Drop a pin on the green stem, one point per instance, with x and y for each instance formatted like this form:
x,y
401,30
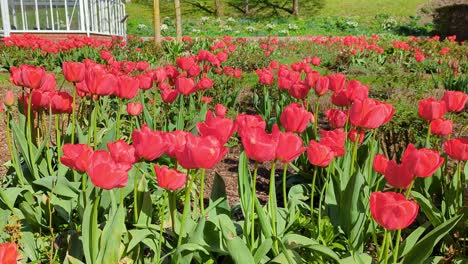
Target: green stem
x,y
387,245
172,209
317,104
73,115
135,193
371,156
202,192
322,193
384,245
397,246
408,192
272,203
30,136
354,154
119,105
188,189
10,148
59,139
96,109
161,227
312,191
285,196
428,137
252,209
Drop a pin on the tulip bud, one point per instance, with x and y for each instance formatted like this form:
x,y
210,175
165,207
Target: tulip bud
x,y
9,99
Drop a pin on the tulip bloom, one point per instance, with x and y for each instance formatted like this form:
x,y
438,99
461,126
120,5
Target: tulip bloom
x,y
134,109
127,87
431,109
265,76
105,173
321,86
370,113
220,110
73,71
295,118
455,101
98,82
422,162
32,77
169,179
259,145
336,117
9,99
219,127
392,210
8,253
337,81
61,102
76,156
398,175
246,123
354,135
441,127
201,152
457,148
185,85
334,139
380,163
176,141
149,144
319,154
122,153
289,147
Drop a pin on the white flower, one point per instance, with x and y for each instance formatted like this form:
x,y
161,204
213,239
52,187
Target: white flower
x,y
250,29
142,26
237,32
292,27
230,19
352,23
270,26
284,32
164,27
194,30
204,19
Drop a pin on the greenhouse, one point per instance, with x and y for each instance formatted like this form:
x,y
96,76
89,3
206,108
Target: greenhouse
x,y
90,17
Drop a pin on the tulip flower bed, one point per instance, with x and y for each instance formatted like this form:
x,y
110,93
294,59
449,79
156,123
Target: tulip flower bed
x,y
126,152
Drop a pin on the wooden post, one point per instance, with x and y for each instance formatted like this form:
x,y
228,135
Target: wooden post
x,y
157,22
178,21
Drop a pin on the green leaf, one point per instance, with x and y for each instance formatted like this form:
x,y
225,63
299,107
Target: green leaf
x,y
297,241
235,245
263,249
423,249
361,258
90,231
218,191
60,186
430,210
109,250
412,239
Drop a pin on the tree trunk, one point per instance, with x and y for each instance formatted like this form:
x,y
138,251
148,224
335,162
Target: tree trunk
x,y
247,9
295,7
157,22
219,12
178,21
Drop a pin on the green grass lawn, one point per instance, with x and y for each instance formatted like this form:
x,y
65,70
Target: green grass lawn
x,y
366,8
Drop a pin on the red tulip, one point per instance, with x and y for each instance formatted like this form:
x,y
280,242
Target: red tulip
x,y
134,109
441,127
380,163
76,156
145,81
311,78
127,87
315,61
398,175
169,95
176,141
392,210
431,109
15,76
340,98
455,101
295,118
457,148
319,154
246,123
73,71
321,86
149,144
355,90
201,152
204,83
8,253
289,147
160,75
337,81
122,153
336,117
354,135
259,145
299,90
334,139
206,99
422,162
219,127
169,179
105,173
142,65
185,85
265,76
61,102
220,110
370,113
9,99
49,83
99,82
32,77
